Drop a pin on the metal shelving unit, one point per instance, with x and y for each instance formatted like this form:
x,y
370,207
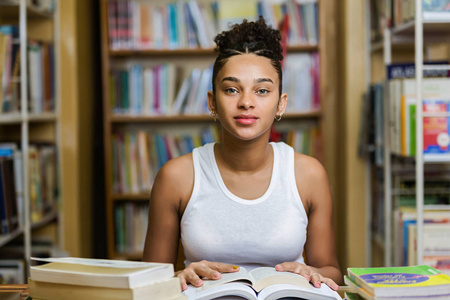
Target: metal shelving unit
x,y
19,12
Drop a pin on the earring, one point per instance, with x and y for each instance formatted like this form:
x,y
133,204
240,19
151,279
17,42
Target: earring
x,y
278,118
214,115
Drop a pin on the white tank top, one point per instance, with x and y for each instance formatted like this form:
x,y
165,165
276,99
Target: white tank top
x,y
221,227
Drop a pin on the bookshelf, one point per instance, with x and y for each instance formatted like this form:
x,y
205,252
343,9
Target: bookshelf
x,y
321,117
412,176
29,123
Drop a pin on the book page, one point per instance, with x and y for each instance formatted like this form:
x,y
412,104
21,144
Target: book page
x,y
242,275
231,290
100,262
265,276
278,291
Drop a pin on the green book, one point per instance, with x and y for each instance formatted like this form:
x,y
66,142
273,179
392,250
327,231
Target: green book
x,y
401,281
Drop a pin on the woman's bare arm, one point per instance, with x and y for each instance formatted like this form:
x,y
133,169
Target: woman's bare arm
x,y
170,194
320,250
320,247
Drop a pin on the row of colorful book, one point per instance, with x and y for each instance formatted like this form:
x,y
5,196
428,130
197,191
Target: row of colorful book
x,y
41,79
402,115
153,90
191,24
387,283
137,155
130,221
436,242
72,278
42,183
393,13
141,90
397,99
304,139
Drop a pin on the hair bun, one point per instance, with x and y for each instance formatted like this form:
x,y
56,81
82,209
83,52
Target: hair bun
x,y
251,37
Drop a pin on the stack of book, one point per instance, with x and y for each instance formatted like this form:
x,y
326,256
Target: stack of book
x,y
72,278
398,283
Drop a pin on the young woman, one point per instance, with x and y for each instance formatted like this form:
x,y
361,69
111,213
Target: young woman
x,y
244,201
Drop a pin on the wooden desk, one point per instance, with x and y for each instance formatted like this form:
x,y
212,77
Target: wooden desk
x,y
14,291
21,292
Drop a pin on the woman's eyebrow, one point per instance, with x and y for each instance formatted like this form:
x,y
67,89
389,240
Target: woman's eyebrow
x,y
233,79
259,80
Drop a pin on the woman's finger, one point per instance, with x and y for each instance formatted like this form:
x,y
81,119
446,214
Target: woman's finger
x,y
182,282
316,279
330,282
193,278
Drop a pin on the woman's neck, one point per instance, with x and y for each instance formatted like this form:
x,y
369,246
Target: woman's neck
x,y
244,156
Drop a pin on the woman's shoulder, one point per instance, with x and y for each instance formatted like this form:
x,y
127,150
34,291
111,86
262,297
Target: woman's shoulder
x,y
178,167
309,171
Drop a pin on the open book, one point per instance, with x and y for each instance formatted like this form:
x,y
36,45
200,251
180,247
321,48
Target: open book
x,y
260,283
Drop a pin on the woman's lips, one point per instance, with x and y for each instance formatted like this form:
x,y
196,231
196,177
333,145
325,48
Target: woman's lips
x,y
246,119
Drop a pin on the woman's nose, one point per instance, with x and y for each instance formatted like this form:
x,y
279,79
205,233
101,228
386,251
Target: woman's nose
x,y
246,101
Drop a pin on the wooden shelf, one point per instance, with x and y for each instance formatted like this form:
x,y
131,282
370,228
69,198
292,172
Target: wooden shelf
x,y
198,118
48,218
128,256
11,118
16,118
193,51
133,197
5,238
43,117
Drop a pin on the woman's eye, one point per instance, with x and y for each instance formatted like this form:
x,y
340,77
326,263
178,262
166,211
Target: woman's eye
x,y
231,91
262,91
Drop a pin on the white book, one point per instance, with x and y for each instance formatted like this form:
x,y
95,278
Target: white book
x,y
179,102
199,24
149,95
100,272
191,99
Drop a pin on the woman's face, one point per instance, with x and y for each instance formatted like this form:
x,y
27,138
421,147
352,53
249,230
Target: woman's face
x,y
247,97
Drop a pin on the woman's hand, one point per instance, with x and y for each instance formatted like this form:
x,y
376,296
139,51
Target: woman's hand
x,y
204,269
310,273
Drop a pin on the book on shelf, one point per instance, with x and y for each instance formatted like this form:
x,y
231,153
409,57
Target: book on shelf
x,y
43,183
131,220
41,76
138,155
409,281
12,271
402,113
405,218
436,245
9,61
436,10
301,81
8,204
99,272
10,214
260,283
194,24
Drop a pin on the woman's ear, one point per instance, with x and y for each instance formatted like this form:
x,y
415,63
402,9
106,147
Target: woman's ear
x,y
282,104
211,103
